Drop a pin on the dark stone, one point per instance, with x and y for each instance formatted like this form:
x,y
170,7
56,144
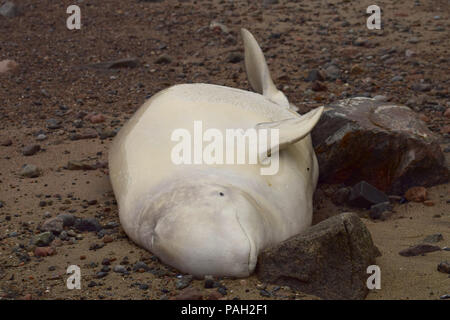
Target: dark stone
x,y
364,195
377,210
419,249
87,224
116,64
444,267
329,259
31,150
385,144
315,75
9,10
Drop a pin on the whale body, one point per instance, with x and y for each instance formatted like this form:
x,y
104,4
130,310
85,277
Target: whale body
x,y
214,219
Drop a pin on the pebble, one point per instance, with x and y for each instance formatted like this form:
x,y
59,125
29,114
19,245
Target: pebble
x,y
120,269
183,282
419,249
434,238
41,137
444,267
87,224
9,10
416,194
30,171
44,251
140,265
333,72
7,65
53,124
54,225
163,59
189,294
5,142
31,149
43,239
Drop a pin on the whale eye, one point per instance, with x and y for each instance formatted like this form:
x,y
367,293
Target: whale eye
x,y
221,194
307,169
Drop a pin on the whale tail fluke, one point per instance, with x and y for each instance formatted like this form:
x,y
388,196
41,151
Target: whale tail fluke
x,y
258,72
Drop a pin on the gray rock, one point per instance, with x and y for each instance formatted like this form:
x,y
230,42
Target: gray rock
x,y
333,72
54,225
116,64
43,239
183,282
120,269
53,124
434,238
9,10
379,210
329,259
385,144
140,265
315,75
30,171
87,224
364,195
444,267
68,219
31,149
419,249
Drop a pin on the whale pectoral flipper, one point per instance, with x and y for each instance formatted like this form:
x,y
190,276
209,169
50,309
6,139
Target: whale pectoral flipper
x,y
291,130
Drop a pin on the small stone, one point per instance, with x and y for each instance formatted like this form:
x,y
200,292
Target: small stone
x,y
209,283
377,210
53,124
79,165
9,10
41,137
318,86
140,265
163,59
120,269
54,225
234,57
31,149
364,195
101,274
6,142
416,194
97,118
30,171
108,239
189,294
43,239
333,72
434,238
87,224
315,75
44,251
444,267
356,69
428,203
68,220
217,26
7,65
183,282
419,249
341,195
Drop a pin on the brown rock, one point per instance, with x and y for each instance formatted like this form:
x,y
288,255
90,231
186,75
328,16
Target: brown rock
x,y
416,194
447,113
97,118
385,144
6,142
419,249
7,65
54,225
107,239
318,86
31,149
328,260
444,267
79,165
189,294
44,251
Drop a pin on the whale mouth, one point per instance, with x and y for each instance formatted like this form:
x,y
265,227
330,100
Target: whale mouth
x,y
204,237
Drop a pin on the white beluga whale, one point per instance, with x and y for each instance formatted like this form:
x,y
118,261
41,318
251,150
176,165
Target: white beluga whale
x,y
214,218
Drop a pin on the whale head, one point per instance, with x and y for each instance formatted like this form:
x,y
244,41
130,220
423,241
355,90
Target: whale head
x,y
206,229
